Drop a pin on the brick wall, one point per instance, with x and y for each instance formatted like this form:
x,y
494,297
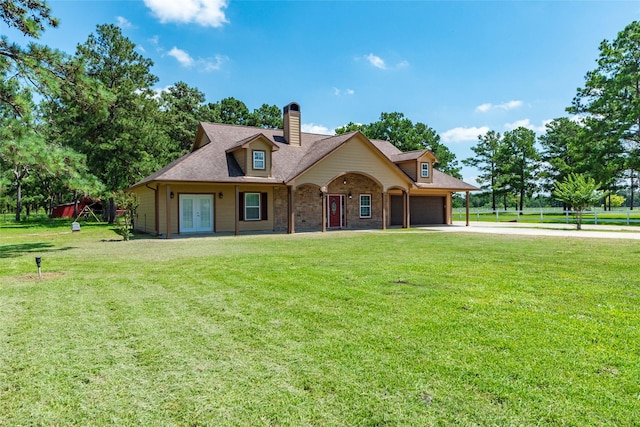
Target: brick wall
x,y
308,205
359,184
280,209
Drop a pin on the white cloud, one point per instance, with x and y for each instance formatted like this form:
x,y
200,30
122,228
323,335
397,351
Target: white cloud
x,y
526,123
505,106
208,13
380,63
510,105
213,65
206,65
338,92
123,22
159,91
182,57
484,108
461,134
314,128
376,61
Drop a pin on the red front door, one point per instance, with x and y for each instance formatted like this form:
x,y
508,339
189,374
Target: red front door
x,y
335,211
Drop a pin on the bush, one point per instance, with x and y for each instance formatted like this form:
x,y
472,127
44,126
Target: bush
x,y
128,203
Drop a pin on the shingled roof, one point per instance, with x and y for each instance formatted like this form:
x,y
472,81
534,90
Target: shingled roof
x,y
409,155
212,162
446,182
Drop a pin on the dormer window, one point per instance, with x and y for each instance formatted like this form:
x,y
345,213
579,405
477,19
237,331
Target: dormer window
x,y
424,170
258,160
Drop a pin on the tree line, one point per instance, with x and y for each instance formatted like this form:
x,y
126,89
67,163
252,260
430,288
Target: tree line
x,y
601,142
91,123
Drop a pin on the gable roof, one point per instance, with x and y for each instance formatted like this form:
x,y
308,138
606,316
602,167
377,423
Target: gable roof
x,y
211,159
410,155
247,141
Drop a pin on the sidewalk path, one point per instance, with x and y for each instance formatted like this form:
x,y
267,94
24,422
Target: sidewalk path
x,y
537,229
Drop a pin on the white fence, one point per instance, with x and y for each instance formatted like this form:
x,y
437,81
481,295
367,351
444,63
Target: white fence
x,y
617,217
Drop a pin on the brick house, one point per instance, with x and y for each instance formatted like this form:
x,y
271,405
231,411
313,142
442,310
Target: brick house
x,y
246,179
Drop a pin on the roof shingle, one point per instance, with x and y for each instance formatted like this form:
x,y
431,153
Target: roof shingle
x,y
212,162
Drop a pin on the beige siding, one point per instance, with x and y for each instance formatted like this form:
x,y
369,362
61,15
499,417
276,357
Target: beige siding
x,y
291,121
258,145
224,209
413,168
427,158
266,225
354,156
162,210
241,158
418,165
201,139
295,126
145,219
409,168
219,217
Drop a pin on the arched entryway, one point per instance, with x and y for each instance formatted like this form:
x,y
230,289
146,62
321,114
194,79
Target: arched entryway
x,y
354,201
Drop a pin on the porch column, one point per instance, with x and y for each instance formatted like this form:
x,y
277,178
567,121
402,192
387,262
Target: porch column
x,y
237,203
292,211
467,208
324,211
406,222
384,209
156,206
168,211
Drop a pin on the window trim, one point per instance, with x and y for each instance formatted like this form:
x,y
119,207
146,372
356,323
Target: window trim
x,y
423,169
263,160
247,206
368,205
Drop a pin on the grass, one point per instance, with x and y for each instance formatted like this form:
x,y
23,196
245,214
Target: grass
x,y
370,328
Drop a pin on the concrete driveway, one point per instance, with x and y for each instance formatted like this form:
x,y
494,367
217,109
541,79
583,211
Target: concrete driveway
x,y
536,229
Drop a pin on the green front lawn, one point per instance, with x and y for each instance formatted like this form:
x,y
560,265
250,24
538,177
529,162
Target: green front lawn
x,y
354,328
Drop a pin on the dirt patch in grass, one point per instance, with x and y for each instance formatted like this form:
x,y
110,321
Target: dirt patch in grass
x,y
34,276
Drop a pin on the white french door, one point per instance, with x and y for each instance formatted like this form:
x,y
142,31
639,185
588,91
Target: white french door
x,y
196,213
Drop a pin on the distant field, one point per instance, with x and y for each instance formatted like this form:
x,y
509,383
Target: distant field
x,y
404,327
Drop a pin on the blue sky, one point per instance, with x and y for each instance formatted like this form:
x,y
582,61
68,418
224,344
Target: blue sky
x,y
461,67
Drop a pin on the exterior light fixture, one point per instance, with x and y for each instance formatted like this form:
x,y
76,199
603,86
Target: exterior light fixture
x,y
220,195
344,181
38,264
171,195
350,196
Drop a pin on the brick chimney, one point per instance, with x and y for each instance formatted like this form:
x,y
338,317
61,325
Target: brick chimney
x,y
291,121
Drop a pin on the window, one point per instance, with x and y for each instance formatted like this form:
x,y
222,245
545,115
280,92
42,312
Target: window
x,y
258,160
424,170
252,206
365,206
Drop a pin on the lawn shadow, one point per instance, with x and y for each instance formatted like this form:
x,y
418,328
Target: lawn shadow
x,y
12,251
